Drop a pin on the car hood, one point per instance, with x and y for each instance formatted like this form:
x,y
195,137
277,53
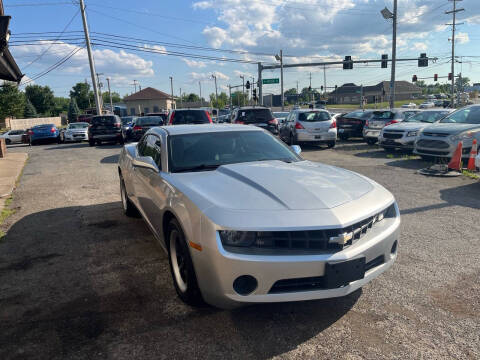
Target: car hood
x,y
407,126
272,185
451,129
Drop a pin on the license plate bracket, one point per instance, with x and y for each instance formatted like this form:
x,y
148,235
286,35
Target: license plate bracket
x,y
342,273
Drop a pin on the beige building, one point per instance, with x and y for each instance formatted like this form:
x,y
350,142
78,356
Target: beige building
x,y
148,100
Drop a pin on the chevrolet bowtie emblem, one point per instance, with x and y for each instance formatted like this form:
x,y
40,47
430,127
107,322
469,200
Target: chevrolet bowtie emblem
x,y
341,239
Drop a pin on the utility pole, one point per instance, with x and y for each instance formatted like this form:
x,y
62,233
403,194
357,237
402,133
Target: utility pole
x,y
171,89
100,89
311,90
280,58
394,55
251,89
453,24
135,84
296,102
230,96
361,97
324,80
90,58
214,77
260,84
243,89
200,87
110,94
181,98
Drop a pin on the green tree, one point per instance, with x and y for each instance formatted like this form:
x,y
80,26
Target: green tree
x,y
12,101
238,98
115,98
81,93
41,97
73,110
30,111
220,102
60,105
460,83
190,97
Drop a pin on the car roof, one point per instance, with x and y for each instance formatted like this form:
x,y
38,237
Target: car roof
x,y
204,128
252,107
310,110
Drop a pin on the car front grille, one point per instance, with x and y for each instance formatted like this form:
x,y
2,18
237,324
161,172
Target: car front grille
x,y
435,134
392,135
311,241
313,283
433,144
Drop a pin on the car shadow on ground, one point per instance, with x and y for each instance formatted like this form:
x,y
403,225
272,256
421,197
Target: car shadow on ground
x,y
91,281
464,196
66,146
112,159
311,148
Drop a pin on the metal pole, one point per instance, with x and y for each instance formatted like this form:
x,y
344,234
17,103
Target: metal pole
x,y
216,91
171,88
251,89
311,90
324,80
100,90
110,94
394,55
361,97
260,85
181,98
281,80
230,97
296,101
90,58
200,86
454,12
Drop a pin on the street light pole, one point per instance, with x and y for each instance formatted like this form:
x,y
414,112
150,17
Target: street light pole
x,y
110,94
280,58
200,87
90,58
394,55
243,89
216,91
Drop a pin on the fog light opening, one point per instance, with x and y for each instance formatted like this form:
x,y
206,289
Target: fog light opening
x,y
245,285
393,251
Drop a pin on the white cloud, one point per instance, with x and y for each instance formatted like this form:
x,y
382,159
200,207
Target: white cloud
x,y
202,5
420,46
195,76
462,38
116,64
159,49
194,63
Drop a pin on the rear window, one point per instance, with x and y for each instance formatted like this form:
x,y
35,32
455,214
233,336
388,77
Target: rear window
x,y
314,116
128,119
149,121
383,115
190,117
44,126
104,120
252,116
355,114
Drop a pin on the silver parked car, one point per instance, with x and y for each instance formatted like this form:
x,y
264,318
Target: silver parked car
x,y
12,136
382,118
442,138
244,219
403,134
309,126
77,131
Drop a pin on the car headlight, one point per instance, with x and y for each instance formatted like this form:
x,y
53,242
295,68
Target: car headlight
x,y
237,238
462,137
412,133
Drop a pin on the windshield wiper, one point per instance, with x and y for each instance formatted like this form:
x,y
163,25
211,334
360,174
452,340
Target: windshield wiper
x,y
201,167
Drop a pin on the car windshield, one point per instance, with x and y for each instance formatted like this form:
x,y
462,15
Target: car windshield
x,y
183,117
203,151
427,116
314,116
469,115
78,126
252,116
149,121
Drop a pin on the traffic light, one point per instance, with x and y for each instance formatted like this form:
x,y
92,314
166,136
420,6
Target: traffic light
x,y
321,87
423,60
309,88
450,77
384,61
347,63
336,87
254,94
247,85
435,77
414,78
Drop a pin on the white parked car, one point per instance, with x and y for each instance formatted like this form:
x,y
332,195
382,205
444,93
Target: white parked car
x,y
244,219
13,136
409,106
77,131
427,105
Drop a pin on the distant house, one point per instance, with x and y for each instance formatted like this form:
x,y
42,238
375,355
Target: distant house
x,y
350,93
148,100
8,67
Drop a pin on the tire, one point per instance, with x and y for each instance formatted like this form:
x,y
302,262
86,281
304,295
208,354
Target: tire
x,y
8,141
98,142
371,141
331,144
181,266
91,142
128,207
343,137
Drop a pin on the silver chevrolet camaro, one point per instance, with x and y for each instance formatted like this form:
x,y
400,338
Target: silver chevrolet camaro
x,y
244,219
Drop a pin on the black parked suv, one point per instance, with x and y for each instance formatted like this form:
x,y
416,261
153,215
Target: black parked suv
x,y
143,124
255,115
105,128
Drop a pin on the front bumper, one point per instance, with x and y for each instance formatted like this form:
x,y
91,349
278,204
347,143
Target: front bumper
x,y
317,137
445,149
405,142
76,137
217,268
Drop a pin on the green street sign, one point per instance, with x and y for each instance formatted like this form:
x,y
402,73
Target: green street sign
x,y
270,81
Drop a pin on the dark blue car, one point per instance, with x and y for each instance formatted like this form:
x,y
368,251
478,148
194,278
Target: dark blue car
x,y
45,132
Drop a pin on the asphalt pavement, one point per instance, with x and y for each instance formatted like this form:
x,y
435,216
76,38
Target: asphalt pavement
x,y
79,280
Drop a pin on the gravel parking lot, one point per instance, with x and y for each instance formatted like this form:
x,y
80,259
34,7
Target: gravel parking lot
x,y
79,280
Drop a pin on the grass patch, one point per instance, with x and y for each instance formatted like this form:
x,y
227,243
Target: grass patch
x,y
382,105
403,156
5,214
470,174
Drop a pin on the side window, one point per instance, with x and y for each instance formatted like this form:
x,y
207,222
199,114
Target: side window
x,y
158,153
153,147
141,146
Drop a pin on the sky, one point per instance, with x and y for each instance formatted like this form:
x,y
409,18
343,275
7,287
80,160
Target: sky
x,y
152,40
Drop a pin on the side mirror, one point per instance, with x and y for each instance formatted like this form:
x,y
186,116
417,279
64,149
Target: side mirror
x,y
145,162
296,149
